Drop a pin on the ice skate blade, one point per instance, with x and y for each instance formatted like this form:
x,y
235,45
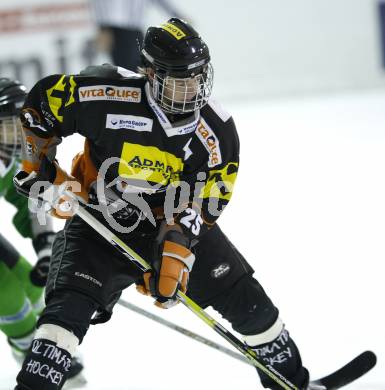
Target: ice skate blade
x,y
77,382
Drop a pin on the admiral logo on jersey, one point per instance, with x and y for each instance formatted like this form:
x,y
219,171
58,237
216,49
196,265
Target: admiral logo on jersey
x,y
149,164
110,92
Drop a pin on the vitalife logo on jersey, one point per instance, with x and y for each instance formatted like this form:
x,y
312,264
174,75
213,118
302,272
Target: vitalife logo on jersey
x,y
128,122
210,142
110,92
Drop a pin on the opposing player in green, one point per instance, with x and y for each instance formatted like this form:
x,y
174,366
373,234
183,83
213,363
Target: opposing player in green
x,y
21,284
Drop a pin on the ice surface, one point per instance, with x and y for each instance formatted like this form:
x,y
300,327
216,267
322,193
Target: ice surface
x,y
308,213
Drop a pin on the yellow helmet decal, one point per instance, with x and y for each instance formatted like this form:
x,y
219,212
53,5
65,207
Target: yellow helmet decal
x,y
176,32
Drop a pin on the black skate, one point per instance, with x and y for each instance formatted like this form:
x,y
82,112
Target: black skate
x,y
75,377
76,367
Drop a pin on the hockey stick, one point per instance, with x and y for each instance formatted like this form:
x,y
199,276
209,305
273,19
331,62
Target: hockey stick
x,y
184,331
341,377
188,302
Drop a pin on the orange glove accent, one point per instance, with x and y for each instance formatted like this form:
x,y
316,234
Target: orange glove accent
x,y
173,274
141,289
65,206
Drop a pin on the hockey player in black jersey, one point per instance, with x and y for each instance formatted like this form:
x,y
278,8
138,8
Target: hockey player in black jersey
x,y
159,164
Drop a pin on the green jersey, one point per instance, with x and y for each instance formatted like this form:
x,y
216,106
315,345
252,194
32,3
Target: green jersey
x,y
20,299
22,220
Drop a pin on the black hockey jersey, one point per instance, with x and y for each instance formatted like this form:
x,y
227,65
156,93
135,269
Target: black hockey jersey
x,y
130,141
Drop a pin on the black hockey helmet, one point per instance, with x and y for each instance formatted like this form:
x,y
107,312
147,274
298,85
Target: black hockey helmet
x,y
174,47
175,51
12,97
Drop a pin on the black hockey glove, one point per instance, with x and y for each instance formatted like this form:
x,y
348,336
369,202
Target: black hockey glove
x,y
171,265
43,248
49,186
33,184
100,317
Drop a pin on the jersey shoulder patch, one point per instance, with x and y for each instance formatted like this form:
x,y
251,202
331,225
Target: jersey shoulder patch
x,y
102,71
108,71
219,110
129,74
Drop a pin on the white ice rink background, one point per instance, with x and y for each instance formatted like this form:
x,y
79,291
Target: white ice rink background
x,y
308,213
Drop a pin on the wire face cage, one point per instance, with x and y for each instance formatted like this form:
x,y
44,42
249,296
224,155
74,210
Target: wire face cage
x,y
182,95
10,137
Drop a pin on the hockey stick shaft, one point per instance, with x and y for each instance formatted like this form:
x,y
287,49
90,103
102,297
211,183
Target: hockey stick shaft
x,y
188,302
184,331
